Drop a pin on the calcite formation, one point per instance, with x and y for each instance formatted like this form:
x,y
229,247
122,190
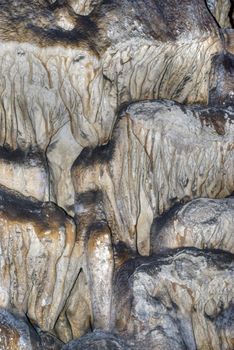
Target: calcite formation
x,y
162,153
201,223
181,300
38,257
116,174
222,11
16,333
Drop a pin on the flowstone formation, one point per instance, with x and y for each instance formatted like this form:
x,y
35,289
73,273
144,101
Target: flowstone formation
x,y
116,175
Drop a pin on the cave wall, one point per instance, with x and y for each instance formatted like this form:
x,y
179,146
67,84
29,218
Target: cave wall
x,y
116,174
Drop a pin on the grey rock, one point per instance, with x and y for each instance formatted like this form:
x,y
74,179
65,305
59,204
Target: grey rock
x,y
16,333
180,300
98,341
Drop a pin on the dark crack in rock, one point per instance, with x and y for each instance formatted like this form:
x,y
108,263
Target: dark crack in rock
x,y
16,333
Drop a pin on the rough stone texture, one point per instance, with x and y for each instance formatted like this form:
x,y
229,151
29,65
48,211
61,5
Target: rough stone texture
x,y
201,223
84,7
180,300
73,77
52,110
16,333
161,153
98,340
63,76
222,10
229,40
25,172
39,258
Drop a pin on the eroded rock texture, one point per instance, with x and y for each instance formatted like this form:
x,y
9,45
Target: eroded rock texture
x,y
116,142
17,334
222,10
98,340
182,300
63,76
201,223
160,153
39,258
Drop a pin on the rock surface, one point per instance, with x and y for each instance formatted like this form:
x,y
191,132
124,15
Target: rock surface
x,y
222,11
96,341
39,258
16,333
64,76
180,300
201,223
161,153
116,142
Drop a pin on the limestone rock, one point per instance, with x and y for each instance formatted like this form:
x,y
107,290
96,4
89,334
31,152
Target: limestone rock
x,y
73,135
76,318
39,258
229,40
84,7
53,112
201,223
179,300
64,76
25,172
160,153
17,334
222,11
98,340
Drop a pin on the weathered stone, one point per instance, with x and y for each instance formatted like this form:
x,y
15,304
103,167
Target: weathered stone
x,y
66,75
39,259
96,341
25,171
222,11
179,300
161,153
17,334
201,223
68,69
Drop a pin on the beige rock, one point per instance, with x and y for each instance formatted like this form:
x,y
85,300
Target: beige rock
x,y
83,7
221,9
25,172
160,153
201,223
66,68
63,76
51,104
39,258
